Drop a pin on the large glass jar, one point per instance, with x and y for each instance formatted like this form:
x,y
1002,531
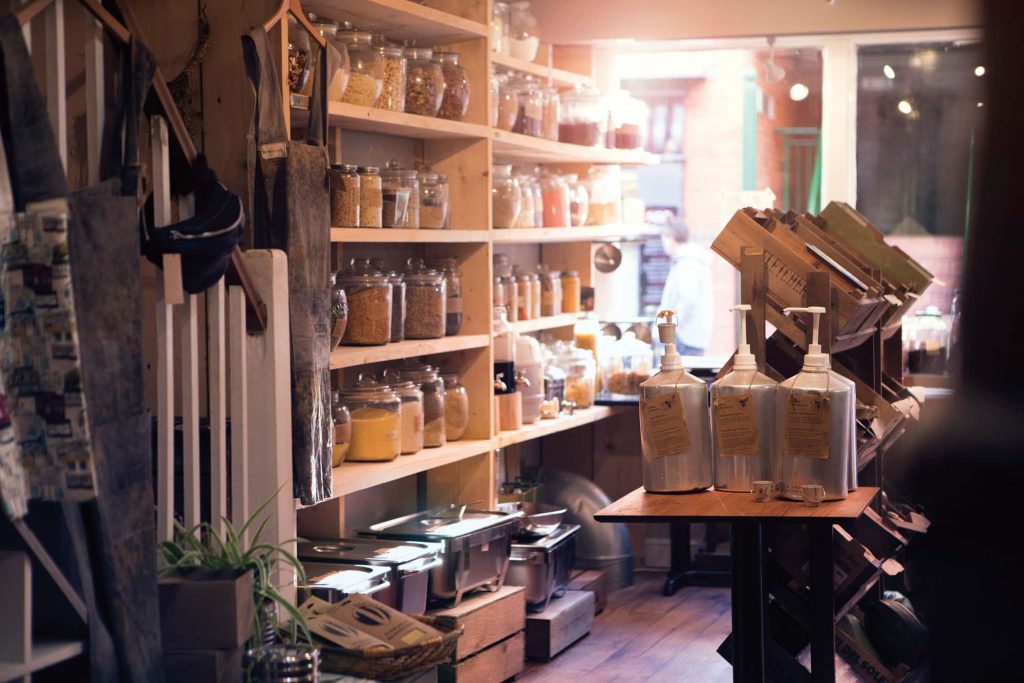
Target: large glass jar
x,y
434,200
396,186
505,108
299,57
369,305
552,114
500,27
424,82
550,293
523,38
425,305
580,376
411,179
505,198
584,117
456,406
449,265
456,86
371,197
535,296
629,119
526,210
376,423
497,292
524,296
392,91
604,184
366,78
510,285
344,188
626,363
328,30
397,281
530,115
339,312
433,401
555,193
342,419
571,290
411,411
579,200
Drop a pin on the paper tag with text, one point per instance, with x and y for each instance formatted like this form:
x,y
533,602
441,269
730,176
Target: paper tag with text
x,y
664,425
736,425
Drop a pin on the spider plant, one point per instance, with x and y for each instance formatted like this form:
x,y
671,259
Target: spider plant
x,y
201,547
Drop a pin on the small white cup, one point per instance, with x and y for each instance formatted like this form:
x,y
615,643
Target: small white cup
x,y
813,494
764,491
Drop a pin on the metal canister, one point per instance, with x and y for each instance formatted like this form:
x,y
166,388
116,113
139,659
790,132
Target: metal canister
x,y
736,468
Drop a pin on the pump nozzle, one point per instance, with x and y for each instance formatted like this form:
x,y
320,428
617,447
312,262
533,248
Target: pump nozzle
x,y
671,359
814,357
744,359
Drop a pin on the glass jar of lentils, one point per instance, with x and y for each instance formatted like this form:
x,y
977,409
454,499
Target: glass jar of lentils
x,y
424,82
455,101
371,197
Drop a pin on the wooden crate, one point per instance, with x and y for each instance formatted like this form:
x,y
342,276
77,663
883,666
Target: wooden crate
x,y
562,623
499,662
595,581
488,618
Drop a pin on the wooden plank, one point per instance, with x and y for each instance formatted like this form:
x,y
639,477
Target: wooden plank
x,y
519,147
391,236
594,581
562,623
217,363
173,290
16,606
351,356
385,122
239,406
753,275
499,662
56,77
560,78
614,231
44,654
488,618
95,102
46,560
190,410
402,20
561,423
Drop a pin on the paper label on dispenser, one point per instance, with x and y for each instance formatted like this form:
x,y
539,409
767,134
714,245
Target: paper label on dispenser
x,y
664,424
808,416
736,425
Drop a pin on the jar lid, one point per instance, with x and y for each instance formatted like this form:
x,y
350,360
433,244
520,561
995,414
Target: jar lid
x,y
421,273
356,37
393,378
451,58
369,170
356,276
428,178
381,393
420,53
570,273
502,170
347,169
419,372
395,277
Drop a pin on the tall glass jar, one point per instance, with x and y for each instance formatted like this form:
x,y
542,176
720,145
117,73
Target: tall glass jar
x,y
449,265
580,376
538,198
366,78
524,41
531,107
497,292
424,83
550,293
339,312
555,192
506,104
579,200
371,197
342,420
344,188
526,210
300,60
584,117
524,298
396,187
433,401
434,201
604,185
368,293
505,198
328,30
535,295
551,115
456,406
425,302
376,423
455,101
500,27
571,286
411,411
392,91
397,281
504,351
511,286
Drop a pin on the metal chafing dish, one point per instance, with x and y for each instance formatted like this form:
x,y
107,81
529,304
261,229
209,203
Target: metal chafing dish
x,y
544,565
332,583
476,546
408,562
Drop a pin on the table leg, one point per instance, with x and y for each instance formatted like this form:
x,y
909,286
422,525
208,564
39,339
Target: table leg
x,y
823,635
749,603
679,539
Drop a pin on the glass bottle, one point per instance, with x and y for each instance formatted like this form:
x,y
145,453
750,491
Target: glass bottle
x,y
411,411
344,188
531,107
579,200
506,104
551,115
299,59
449,265
455,101
434,203
371,197
571,290
397,281
504,352
555,193
328,30
526,208
396,187
500,27
432,385
342,420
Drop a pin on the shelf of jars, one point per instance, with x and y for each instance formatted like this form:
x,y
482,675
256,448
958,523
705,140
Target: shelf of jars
x,y
401,19
352,356
385,122
596,233
519,147
561,423
559,78
405,235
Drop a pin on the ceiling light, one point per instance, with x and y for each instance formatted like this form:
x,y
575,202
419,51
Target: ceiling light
x,y
889,72
799,92
980,105
905,107
979,71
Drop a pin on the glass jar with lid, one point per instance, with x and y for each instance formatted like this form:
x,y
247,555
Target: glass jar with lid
x,y
424,82
368,293
628,120
500,12
375,412
530,112
526,209
392,91
455,101
523,37
412,213
626,363
371,197
432,385
300,59
366,76
524,296
550,293
584,118
397,281
604,185
434,200
456,406
425,301
535,296
339,312
571,290
580,375
342,419
506,201
395,190
579,200
505,108
538,198
411,411
555,194
497,292
449,265
328,30
551,114
343,180
554,390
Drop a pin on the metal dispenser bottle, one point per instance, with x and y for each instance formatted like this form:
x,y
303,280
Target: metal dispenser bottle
x,y
816,419
674,424
742,419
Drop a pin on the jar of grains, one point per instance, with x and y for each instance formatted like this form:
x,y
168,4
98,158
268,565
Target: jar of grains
x,y
344,185
328,30
339,312
424,82
571,286
395,193
530,107
555,193
369,303
425,301
366,76
456,86
411,411
434,200
397,281
449,265
506,201
456,406
507,103
375,412
299,62
392,91
550,293
584,117
433,401
551,115
342,420
371,197
526,207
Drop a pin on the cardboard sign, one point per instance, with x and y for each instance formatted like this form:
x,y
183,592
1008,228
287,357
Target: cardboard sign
x,y
736,425
664,425
808,417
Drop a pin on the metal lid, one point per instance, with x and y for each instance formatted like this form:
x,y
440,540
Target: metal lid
x,y
450,58
355,578
365,550
551,541
444,523
367,170
420,53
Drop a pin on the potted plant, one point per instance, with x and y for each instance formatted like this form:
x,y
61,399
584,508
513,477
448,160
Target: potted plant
x,y
218,593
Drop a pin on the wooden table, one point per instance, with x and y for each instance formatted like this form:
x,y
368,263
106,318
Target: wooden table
x,y
749,590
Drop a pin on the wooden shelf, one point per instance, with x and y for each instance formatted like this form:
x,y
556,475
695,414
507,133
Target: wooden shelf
x,y
351,356
518,147
401,124
618,231
546,323
400,20
559,424
44,654
558,77
373,235
350,477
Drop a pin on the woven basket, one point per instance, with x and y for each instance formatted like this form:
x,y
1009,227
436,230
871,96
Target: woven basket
x,y
399,663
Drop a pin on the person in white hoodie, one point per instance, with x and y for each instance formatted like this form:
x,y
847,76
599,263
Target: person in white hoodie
x,y
688,289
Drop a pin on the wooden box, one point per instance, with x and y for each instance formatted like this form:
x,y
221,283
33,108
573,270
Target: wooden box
x,y
864,662
562,623
595,581
206,610
487,618
497,663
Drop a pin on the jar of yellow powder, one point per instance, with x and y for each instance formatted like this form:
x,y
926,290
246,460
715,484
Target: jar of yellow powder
x,y
376,423
411,411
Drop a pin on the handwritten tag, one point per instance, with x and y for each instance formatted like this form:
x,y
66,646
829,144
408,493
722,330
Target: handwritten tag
x,y
736,425
663,423
808,416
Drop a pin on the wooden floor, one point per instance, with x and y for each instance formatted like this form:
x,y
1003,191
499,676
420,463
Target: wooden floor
x,y
644,636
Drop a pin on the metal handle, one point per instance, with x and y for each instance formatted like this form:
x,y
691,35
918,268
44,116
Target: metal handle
x,y
423,565
378,588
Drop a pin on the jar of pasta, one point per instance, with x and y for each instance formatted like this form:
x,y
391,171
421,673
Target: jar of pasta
x,y
456,86
375,411
411,396
371,197
369,305
456,406
430,382
425,301
424,82
366,76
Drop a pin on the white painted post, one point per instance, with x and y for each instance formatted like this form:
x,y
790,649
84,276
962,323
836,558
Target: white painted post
x,y
216,360
95,104
190,410
239,406
56,79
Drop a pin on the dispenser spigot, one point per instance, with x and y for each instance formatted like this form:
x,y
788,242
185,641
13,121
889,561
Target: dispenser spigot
x,y
814,357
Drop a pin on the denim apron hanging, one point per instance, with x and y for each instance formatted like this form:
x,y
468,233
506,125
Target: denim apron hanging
x,y
289,210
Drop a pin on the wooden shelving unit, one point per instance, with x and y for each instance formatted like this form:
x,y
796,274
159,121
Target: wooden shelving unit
x,y
402,19
44,654
382,236
591,233
560,78
350,477
519,147
352,356
559,424
549,322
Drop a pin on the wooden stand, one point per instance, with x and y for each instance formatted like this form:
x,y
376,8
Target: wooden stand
x,y
492,644
594,581
562,623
